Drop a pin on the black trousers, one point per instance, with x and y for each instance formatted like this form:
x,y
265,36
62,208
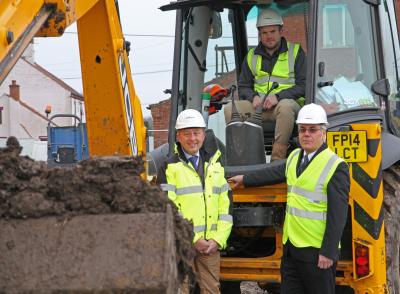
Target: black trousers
x,y
303,277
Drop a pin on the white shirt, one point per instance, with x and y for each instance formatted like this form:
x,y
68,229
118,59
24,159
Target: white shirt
x,y
310,156
187,155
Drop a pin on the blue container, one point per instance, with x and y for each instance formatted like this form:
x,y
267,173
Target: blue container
x,y
66,144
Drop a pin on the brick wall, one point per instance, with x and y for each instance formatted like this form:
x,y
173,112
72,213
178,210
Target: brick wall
x,y
160,114
294,30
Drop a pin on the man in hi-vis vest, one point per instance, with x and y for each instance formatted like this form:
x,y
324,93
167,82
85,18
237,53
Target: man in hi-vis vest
x,y
195,181
273,60
318,183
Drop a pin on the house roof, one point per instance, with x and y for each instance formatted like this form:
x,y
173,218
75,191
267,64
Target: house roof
x,y
158,103
28,107
74,94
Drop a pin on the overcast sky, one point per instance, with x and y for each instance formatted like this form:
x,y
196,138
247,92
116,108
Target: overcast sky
x,y
150,32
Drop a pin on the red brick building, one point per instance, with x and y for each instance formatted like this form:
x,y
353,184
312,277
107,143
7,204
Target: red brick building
x,y
160,111
160,114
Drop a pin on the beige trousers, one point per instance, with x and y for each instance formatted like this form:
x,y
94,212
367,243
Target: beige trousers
x,y
207,274
284,114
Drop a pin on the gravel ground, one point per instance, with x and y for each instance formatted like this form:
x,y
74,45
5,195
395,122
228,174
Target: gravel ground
x,y
251,288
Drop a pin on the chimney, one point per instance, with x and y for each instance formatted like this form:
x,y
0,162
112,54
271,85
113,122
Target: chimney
x,y
14,90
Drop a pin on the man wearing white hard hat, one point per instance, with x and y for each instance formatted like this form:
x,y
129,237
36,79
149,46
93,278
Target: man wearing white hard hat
x,y
195,181
273,60
316,209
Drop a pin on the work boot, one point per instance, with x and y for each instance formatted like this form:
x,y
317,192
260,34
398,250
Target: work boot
x,y
278,151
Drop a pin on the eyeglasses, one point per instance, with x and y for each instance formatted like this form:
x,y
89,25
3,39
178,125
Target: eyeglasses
x,y
309,130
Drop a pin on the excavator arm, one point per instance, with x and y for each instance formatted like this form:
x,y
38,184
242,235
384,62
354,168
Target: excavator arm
x,y
114,117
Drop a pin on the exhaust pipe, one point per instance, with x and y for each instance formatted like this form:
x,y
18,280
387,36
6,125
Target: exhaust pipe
x,y
245,140
235,116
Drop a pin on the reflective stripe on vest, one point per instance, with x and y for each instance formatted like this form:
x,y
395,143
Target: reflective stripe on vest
x,y
202,228
225,217
306,208
168,187
189,190
306,214
182,191
219,190
186,191
196,198
198,229
285,60
290,158
318,194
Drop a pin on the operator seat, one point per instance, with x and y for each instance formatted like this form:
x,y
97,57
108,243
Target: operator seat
x,y
269,135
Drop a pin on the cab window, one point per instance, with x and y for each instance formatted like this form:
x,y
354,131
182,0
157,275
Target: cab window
x,y
345,55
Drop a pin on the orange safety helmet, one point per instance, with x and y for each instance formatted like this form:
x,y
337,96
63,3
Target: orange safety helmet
x,y
216,91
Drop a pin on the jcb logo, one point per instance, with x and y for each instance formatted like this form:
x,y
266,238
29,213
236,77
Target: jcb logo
x,y
128,105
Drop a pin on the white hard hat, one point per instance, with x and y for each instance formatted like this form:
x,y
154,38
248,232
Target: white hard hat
x,y
190,118
268,17
312,114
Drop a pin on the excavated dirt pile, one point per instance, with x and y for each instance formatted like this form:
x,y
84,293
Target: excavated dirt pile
x,y
99,186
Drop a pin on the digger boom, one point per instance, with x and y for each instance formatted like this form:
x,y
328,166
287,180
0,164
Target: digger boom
x,y
114,118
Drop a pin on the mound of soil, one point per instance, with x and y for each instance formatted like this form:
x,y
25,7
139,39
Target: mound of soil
x,y
106,185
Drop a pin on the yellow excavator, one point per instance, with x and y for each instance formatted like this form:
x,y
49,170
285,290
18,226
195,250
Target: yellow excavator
x,y
352,49
107,253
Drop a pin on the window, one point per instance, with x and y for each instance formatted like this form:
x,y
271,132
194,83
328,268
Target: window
x,y
1,115
335,21
347,56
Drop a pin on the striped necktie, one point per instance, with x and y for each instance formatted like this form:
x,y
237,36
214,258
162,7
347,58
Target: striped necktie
x,y
303,164
193,160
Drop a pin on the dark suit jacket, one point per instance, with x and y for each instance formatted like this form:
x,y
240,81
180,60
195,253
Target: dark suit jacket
x,y
338,197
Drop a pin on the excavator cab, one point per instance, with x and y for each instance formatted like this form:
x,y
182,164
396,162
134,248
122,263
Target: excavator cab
x,y
352,49
207,59
91,244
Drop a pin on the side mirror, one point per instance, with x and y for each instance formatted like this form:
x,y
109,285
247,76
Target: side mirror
x,y
216,26
381,87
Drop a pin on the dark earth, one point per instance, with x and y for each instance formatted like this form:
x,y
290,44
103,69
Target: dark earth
x,y
106,185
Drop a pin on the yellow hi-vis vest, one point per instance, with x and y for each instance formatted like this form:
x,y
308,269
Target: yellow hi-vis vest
x,y
206,207
282,73
307,203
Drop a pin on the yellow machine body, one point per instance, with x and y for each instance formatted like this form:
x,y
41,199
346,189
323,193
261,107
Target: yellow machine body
x,y
366,206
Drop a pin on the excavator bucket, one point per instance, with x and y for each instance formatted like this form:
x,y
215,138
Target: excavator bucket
x,y
90,253
97,227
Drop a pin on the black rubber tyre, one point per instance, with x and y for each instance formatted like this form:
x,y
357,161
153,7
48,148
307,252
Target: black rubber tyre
x,y
391,184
